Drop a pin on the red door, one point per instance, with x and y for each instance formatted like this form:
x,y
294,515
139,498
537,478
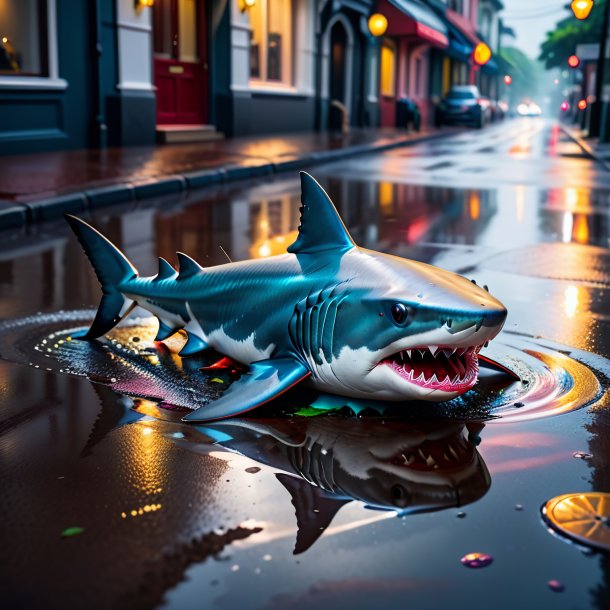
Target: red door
x,y
180,62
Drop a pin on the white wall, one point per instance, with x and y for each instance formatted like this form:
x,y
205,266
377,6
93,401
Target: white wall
x,y
135,47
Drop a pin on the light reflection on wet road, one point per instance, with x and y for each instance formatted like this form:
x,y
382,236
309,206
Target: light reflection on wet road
x,y
169,518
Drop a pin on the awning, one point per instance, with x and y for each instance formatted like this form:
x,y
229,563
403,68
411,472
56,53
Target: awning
x,y
411,18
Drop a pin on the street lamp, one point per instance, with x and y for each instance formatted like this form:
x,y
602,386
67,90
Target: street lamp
x,y
581,8
378,24
481,54
573,61
582,104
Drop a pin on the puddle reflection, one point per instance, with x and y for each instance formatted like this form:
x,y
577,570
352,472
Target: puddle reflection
x,y
326,462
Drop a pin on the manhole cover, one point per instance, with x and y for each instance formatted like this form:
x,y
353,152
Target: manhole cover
x,y
583,518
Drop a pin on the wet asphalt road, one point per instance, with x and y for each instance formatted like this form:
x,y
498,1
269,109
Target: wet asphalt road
x,y
171,519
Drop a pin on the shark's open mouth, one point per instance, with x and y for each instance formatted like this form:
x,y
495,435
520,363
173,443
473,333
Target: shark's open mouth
x,y
444,455
448,369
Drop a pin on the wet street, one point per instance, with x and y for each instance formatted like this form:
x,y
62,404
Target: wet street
x,y
108,500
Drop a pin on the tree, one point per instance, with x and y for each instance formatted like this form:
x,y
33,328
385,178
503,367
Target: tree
x,y
524,71
570,32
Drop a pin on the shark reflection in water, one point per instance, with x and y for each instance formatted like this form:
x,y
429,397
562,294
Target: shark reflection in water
x,y
326,462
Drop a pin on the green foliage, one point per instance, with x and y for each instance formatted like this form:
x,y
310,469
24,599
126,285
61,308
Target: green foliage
x,y
524,71
570,32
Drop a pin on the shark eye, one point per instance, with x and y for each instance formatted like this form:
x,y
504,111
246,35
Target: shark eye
x,y
400,313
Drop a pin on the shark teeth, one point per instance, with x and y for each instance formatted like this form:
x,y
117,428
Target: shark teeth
x,y
438,367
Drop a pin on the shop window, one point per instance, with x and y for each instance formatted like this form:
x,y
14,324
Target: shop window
x,y
388,70
23,38
271,42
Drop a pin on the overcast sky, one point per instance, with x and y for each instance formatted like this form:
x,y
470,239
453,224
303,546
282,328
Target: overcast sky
x,y
531,19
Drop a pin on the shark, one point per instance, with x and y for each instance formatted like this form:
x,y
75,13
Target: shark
x,y
325,463
341,318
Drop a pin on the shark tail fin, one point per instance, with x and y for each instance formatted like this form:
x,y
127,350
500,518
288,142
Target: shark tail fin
x,y
112,268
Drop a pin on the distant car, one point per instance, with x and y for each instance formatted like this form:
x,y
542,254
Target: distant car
x,y
464,104
499,110
528,108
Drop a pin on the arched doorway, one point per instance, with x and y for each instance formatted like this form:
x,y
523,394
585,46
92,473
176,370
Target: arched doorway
x,y
338,53
338,45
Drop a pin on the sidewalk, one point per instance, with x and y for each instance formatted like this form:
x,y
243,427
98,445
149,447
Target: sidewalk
x,y
44,186
590,146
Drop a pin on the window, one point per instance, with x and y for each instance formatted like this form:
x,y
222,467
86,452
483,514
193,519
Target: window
x,y
271,41
388,70
23,38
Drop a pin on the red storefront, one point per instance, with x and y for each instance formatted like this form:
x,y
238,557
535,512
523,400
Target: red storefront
x,y
413,28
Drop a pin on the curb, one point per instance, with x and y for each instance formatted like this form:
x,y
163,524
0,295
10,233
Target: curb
x,y
588,150
17,214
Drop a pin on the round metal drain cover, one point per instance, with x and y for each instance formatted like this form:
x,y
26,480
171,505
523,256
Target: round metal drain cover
x,y
582,517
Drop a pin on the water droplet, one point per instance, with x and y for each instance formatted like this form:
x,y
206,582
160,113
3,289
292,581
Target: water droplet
x,y
257,570
518,506
234,568
461,515
267,557
253,469
582,455
555,585
476,560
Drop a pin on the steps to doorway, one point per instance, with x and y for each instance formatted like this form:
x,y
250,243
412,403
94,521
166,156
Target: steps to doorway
x,y
174,134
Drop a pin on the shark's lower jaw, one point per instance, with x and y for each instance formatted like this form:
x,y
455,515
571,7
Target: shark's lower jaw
x,y
446,369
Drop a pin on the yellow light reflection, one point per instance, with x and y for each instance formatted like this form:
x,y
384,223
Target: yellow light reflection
x,y
272,246
386,198
581,229
474,205
570,301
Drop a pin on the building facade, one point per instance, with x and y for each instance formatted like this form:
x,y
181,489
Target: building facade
x,y
113,73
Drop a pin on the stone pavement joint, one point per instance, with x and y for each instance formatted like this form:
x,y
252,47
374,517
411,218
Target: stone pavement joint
x,y
44,186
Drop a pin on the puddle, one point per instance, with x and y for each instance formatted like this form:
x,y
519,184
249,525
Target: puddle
x,y
554,379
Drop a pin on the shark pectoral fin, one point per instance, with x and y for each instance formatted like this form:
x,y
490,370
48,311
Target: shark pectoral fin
x,y
314,509
264,381
492,365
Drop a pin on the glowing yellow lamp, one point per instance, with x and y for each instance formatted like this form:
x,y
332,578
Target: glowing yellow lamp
x,y
481,54
581,8
378,24
142,4
245,5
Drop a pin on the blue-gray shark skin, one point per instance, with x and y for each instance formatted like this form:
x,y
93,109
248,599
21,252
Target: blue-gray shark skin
x,y
355,322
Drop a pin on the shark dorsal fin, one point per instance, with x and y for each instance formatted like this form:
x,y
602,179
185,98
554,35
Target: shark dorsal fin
x,y
321,227
188,267
165,270
314,509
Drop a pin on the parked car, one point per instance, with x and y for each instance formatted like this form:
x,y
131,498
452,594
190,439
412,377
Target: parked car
x,y
464,104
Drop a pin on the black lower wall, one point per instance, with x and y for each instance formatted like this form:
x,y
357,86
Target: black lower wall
x,y
258,113
131,118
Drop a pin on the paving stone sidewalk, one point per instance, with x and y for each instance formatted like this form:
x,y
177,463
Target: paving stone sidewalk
x,y
43,186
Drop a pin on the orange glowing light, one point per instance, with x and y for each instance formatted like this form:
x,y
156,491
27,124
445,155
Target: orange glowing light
x,y
378,24
582,105
573,61
581,8
481,54
474,206
508,79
